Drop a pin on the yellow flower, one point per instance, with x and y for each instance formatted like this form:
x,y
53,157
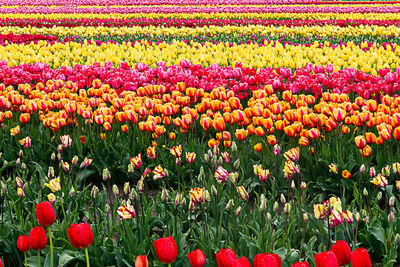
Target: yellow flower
x,y
319,211
126,211
15,131
54,184
52,198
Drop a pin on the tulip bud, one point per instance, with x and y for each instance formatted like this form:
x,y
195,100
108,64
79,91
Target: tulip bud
x,y
201,174
133,195
95,191
127,188
131,169
263,203
305,217
230,205
363,213
166,172
50,173
52,198
20,153
178,199
59,148
379,196
236,164
178,161
20,192
206,196
206,158
362,169
72,192
391,201
23,166
276,149
233,177
357,217
82,165
115,190
74,160
365,192
292,185
106,174
287,208
5,163
397,238
183,202
164,195
220,160
234,147
238,210
214,191
3,189
59,157
53,156
283,199
18,161
372,172
140,186
391,217
273,234
366,219
303,185
275,207
215,150
19,182
107,208
269,217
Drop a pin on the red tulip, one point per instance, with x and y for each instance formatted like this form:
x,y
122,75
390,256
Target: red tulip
x,y
242,262
166,249
45,214
23,243
141,261
301,264
360,258
38,238
342,252
1,263
225,257
326,259
267,259
197,258
80,235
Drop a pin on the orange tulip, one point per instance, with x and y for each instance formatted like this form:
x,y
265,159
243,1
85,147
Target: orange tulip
x,y
241,134
124,128
258,147
339,114
370,138
303,141
346,174
360,141
366,152
396,133
212,143
271,140
259,131
171,136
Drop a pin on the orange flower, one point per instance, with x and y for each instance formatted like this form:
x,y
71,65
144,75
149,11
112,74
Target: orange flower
x,y
366,151
271,140
346,174
212,142
258,147
360,141
15,131
370,138
82,139
151,152
241,134
303,141
259,131
339,114
171,136
24,118
102,136
345,129
124,128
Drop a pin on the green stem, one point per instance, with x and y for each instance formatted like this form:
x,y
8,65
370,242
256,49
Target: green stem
x,y
51,247
26,263
87,257
169,265
38,256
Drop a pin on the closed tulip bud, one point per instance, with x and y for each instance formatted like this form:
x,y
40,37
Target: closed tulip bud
x,y
275,207
283,199
115,190
20,192
166,172
206,158
372,172
236,164
59,149
363,213
397,238
366,219
269,216
214,191
305,217
106,174
215,151
127,188
303,185
391,201
95,191
273,234
23,166
362,169
220,160
292,185
391,217
20,153
52,198
263,203
234,147
357,217
287,208
201,174
140,186
81,165
238,210
365,192
5,163
386,170
18,161
50,173
19,182
379,196
74,160
164,195
107,208
230,205
178,199
133,195
3,189
131,169
65,166
206,196
71,192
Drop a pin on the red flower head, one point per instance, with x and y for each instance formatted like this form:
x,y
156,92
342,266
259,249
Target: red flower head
x,y
267,259
45,213
197,258
301,264
225,257
342,252
23,243
360,258
141,261
166,249
326,259
242,262
80,235
38,238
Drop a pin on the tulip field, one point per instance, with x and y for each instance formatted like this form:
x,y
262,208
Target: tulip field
x,y
199,133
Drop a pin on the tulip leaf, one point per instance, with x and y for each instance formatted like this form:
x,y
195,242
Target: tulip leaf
x,y
68,255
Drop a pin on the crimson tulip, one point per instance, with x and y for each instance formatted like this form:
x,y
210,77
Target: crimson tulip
x,y
45,213
326,259
80,235
301,264
166,249
342,251
225,257
38,238
1,263
141,261
242,262
197,258
267,259
23,243
360,258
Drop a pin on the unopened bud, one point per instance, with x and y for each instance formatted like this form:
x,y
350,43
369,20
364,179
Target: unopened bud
x,y
269,217
275,207
287,208
140,186
292,185
234,146
391,217
379,196
305,217
72,192
215,150
23,166
50,173
303,185
214,191
20,192
236,164
220,160
74,160
95,191
363,213
18,161
107,208
178,199
277,149
59,157
357,217
263,203
115,190
391,201
19,182
106,174
365,192
206,158
238,210
397,238
206,196
59,149
164,195
53,156
131,169
372,172
230,205
362,169
201,174
20,153
127,188
283,199
133,195
52,198
5,163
